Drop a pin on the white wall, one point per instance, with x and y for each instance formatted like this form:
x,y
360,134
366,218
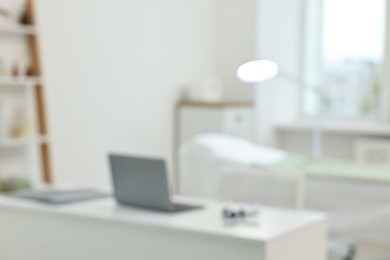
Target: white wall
x,y
279,39
236,43
113,70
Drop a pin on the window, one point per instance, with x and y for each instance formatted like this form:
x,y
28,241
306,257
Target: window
x,y
344,53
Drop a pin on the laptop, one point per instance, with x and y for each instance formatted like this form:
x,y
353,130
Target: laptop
x,y
143,182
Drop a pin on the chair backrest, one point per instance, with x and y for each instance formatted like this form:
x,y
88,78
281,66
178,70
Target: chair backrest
x,y
264,187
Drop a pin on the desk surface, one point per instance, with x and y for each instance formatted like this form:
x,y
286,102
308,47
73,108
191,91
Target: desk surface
x,y
272,223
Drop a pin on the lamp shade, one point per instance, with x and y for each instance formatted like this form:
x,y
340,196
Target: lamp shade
x,y
257,71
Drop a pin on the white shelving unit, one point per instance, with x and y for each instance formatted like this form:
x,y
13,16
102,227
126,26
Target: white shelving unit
x,y
24,146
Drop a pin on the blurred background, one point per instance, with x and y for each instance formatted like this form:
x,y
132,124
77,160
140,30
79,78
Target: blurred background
x,y
82,78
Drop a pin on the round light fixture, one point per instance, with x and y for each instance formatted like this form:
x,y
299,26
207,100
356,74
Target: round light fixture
x,y
257,71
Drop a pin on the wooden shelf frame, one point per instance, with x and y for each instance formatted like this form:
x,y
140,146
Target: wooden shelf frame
x,y
33,47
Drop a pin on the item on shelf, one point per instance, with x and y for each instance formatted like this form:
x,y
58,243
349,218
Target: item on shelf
x,y
11,11
15,70
3,125
18,126
209,91
25,17
212,90
20,70
2,67
29,71
4,15
14,184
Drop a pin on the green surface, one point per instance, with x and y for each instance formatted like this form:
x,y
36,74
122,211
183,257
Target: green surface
x,y
331,168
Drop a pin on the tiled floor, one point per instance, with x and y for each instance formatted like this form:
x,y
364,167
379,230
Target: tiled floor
x,y
372,251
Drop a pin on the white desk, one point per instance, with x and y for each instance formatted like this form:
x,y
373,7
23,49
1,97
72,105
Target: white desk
x,y
101,230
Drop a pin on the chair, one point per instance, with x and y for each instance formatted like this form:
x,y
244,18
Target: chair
x,y
273,189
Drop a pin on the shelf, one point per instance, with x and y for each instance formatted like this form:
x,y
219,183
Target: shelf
x,y
219,104
22,142
18,29
19,81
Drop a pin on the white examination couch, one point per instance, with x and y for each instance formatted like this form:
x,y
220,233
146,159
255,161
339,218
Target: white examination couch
x,y
357,209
